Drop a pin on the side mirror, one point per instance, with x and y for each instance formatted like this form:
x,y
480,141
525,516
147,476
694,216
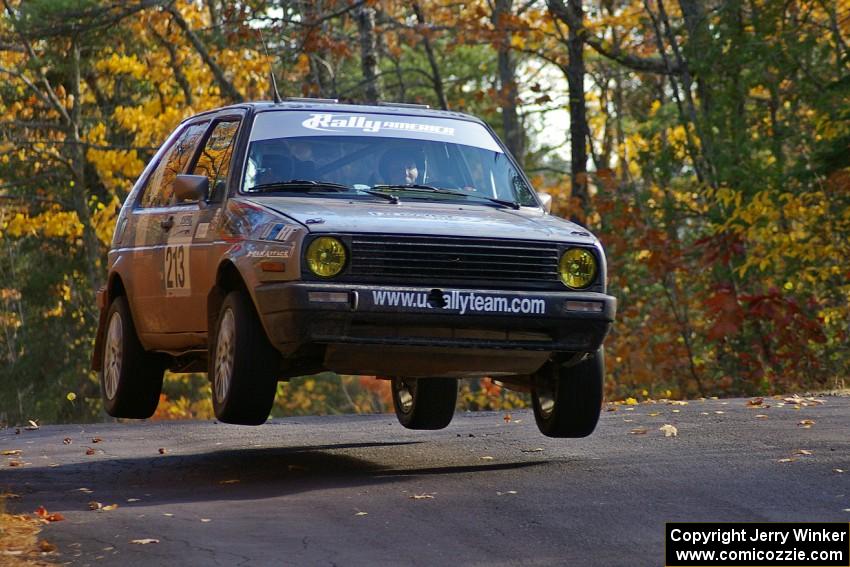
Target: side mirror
x,y
545,200
191,188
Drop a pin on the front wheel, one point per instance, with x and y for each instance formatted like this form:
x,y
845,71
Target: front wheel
x,y
567,400
130,377
244,364
424,403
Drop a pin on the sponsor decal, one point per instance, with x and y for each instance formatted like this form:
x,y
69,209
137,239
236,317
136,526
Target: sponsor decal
x,y
278,252
326,122
430,216
203,229
461,301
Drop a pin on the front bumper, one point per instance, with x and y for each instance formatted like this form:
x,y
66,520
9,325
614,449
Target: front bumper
x,y
296,314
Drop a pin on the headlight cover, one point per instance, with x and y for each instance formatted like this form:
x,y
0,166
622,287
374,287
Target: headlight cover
x,y
577,268
326,256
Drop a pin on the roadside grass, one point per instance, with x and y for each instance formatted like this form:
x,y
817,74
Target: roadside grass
x,y
19,541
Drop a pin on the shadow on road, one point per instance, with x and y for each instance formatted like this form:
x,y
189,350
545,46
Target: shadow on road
x,y
232,474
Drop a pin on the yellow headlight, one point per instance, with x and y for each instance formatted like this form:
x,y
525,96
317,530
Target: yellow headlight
x,y
326,256
578,268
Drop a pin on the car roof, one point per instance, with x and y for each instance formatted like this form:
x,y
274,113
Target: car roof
x,y
326,105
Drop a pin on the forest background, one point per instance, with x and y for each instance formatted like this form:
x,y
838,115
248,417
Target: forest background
x,y
704,141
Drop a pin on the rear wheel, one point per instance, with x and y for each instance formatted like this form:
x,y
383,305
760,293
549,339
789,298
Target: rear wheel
x,y
130,378
424,403
567,400
244,364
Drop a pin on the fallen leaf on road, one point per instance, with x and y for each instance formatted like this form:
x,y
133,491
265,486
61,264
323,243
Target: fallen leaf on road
x,y
46,547
161,452
85,490
755,402
67,441
110,508
90,451
42,513
628,420
93,505
676,411
506,492
638,431
838,470
168,514
719,412
761,416
145,541
16,464
669,430
677,403
655,414
802,452
486,458
535,450
33,425
296,468
9,495
133,499
96,439
507,418
631,402
789,460
11,452
421,496
205,520
229,481
611,408
362,514
806,423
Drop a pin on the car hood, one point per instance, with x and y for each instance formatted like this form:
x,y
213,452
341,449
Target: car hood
x,y
424,218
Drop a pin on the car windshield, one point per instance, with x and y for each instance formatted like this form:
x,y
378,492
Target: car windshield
x,y
358,154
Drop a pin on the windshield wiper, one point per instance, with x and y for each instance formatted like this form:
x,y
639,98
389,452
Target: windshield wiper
x,y
300,185
388,196
440,191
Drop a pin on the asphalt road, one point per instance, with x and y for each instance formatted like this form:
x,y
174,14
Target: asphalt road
x,y
361,490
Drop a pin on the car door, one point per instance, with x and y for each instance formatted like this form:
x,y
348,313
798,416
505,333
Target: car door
x,y
151,222
191,249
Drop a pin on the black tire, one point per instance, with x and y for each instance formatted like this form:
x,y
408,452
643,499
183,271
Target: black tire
x,y
243,364
130,378
424,403
568,400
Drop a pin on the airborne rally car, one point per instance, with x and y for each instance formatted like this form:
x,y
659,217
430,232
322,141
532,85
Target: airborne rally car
x,y
266,241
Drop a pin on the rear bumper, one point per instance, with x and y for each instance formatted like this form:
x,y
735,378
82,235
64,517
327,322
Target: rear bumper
x,y
299,313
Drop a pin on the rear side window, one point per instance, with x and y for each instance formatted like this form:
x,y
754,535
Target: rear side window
x,y
160,185
214,160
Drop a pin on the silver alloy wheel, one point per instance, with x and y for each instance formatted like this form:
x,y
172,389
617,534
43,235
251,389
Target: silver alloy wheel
x,y
546,400
113,355
405,391
224,355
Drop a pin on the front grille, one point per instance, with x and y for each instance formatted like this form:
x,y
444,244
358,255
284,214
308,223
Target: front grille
x,y
453,258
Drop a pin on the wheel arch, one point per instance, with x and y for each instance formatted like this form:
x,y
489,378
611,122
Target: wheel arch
x,y
227,279
106,295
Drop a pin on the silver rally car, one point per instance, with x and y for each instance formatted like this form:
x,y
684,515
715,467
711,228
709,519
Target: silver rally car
x,y
266,241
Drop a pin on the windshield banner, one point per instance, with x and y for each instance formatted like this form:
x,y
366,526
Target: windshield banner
x,y
292,123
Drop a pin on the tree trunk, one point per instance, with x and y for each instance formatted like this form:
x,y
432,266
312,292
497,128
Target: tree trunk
x,y
365,17
436,76
578,111
513,130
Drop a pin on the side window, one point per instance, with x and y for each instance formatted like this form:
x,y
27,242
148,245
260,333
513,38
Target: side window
x,y
160,185
214,161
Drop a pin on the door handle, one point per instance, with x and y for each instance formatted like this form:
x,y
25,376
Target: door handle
x,y
166,224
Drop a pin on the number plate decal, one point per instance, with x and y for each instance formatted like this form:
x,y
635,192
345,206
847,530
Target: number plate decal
x,y
176,272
